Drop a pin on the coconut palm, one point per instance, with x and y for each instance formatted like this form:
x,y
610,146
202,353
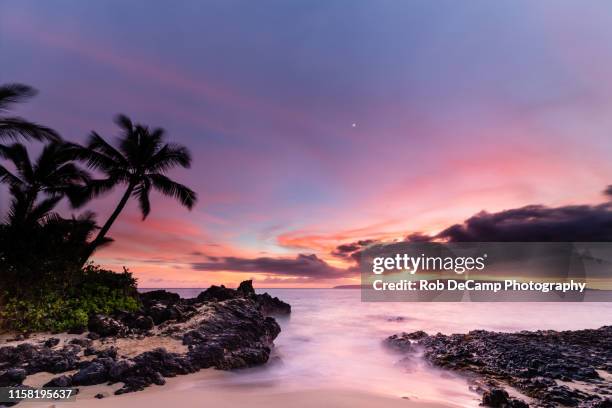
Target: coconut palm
x,y
13,127
54,175
138,163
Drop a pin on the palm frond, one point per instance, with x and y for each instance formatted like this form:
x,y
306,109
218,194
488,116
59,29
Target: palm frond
x,y
43,208
15,93
80,195
124,122
15,127
98,144
9,178
169,156
168,187
18,155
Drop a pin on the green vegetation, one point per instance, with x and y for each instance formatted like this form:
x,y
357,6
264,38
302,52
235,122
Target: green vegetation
x,y
45,281
91,291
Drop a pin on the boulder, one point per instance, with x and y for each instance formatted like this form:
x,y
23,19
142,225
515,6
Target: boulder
x,y
81,342
12,377
36,358
105,326
160,313
159,296
119,368
94,373
245,289
533,362
495,397
217,294
272,306
62,381
51,342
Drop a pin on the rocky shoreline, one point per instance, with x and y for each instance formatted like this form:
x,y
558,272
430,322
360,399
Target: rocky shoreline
x,y
538,369
222,328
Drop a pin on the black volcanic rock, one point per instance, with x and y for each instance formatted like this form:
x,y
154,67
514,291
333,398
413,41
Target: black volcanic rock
x,y
62,381
52,342
235,334
222,328
532,362
272,306
105,326
245,289
12,377
267,304
237,328
404,341
217,294
136,322
94,373
35,359
159,296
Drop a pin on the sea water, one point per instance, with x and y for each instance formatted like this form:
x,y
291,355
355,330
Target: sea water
x,y
333,341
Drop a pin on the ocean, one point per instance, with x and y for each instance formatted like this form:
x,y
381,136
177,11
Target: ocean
x,y
332,340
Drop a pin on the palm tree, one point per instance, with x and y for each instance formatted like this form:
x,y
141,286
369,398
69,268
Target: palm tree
x,y
14,127
54,175
139,163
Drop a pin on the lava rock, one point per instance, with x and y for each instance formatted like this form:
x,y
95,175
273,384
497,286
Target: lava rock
x,y
105,326
159,296
118,369
110,352
143,323
245,289
62,381
532,362
161,313
495,397
94,373
228,330
272,306
93,336
217,294
34,358
81,342
52,342
403,342
12,377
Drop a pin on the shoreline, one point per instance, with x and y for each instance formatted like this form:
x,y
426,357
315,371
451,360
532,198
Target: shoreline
x,y
306,362
168,336
187,391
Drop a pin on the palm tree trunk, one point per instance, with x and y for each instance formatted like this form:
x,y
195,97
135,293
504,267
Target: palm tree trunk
x,y
107,225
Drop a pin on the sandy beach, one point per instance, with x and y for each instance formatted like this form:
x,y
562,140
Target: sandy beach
x,y
183,392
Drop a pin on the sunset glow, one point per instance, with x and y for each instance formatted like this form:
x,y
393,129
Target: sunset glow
x,y
306,134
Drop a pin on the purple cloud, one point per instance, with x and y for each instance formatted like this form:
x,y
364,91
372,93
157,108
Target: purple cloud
x,y
309,266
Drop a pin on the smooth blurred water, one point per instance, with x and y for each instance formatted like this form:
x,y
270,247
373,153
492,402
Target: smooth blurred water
x,y
332,340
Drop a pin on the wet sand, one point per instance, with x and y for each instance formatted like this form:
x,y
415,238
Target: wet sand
x,y
188,391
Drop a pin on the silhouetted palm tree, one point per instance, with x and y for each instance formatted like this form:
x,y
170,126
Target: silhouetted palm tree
x,y
54,175
13,127
139,163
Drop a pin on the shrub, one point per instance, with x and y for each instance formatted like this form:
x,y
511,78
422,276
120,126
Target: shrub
x,y
93,290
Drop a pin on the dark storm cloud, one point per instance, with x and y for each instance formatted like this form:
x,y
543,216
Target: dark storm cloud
x,y
309,266
417,237
346,250
536,223
533,223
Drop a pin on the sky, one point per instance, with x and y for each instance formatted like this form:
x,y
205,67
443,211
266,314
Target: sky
x,y
316,124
